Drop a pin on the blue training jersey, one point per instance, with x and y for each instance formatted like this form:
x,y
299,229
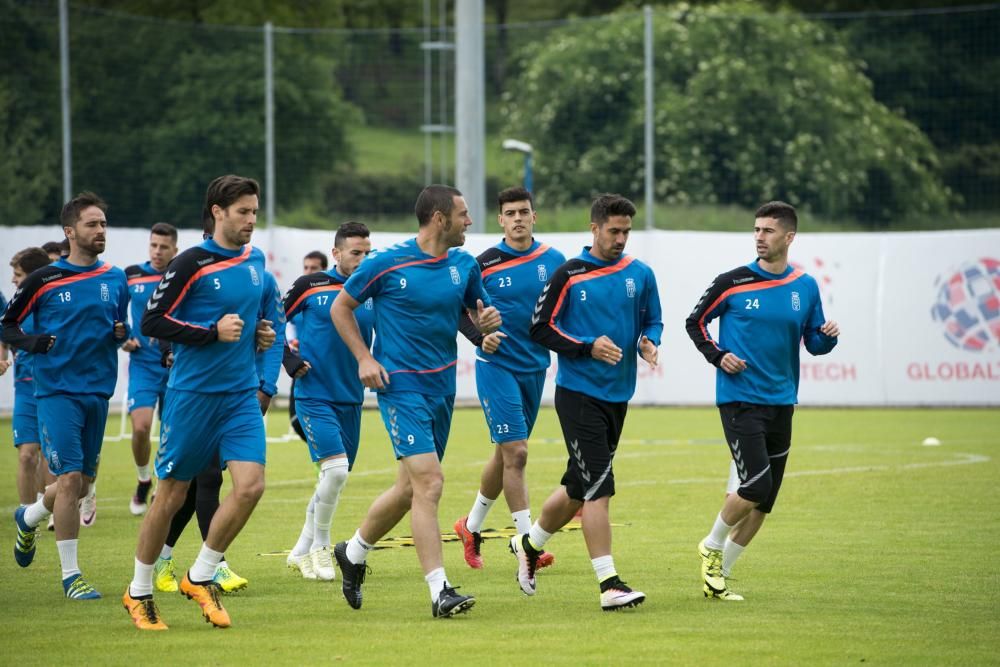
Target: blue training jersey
x,y
334,373
588,298
418,301
268,362
142,281
514,279
765,316
201,285
79,306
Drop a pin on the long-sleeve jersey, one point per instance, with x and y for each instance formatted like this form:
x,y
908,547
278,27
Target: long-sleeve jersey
x,y
79,306
201,285
418,300
514,279
764,317
142,281
268,362
334,373
587,298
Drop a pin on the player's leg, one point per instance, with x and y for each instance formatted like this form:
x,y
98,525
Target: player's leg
x,y
142,422
164,570
28,454
27,442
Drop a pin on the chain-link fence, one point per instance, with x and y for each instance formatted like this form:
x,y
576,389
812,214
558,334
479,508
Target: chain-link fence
x,y
877,119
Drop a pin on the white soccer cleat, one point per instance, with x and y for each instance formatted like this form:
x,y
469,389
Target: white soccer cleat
x,y
88,509
303,565
616,595
322,563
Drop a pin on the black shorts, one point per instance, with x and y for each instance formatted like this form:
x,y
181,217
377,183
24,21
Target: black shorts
x,y
591,428
759,438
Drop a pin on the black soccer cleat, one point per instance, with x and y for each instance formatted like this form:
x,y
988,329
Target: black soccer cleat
x,y
449,603
353,575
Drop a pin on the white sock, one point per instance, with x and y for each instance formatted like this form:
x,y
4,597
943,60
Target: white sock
x,y
167,551
436,581
142,579
67,557
720,531
357,548
92,488
522,521
305,542
477,515
730,552
39,496
204,567
142,472
35,513
604,567
537,536
332,478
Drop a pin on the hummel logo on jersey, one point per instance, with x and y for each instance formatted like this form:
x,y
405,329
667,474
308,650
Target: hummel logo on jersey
x,y
495,260
207,260
48,278
740,281
573,272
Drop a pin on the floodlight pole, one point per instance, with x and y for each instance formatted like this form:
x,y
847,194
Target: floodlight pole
x,y
470,115
650,109
67,148
527,150
269,195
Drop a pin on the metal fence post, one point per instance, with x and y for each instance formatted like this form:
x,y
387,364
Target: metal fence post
x,y
67,149
269,194
649,136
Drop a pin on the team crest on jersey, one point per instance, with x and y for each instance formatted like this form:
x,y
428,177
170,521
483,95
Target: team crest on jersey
x,y
105,292
369,304
543,273
253,276
455,278
630,287
796,302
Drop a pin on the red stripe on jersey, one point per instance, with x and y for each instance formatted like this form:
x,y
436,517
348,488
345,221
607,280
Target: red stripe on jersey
x,y
211,268
313,290
599,273
186,324
430,370
59,283
749,287
403,266
516,262
144,279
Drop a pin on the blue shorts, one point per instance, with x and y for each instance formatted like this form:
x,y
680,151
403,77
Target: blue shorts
x,y
25,420
417,423
72,428
146,384
195,426
330,428
510,401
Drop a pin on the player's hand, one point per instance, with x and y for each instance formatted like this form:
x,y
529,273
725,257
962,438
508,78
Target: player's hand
x,y
302,370
4,365
131,345
169,361
605,350
732,364
372,374
830,328
43,344
264,400
649,352
491,342
265,335
120,331
293,345
489,318
230,327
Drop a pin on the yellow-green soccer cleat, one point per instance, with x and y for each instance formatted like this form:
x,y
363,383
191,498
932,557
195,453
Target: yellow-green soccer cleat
x,y
229,581
726,594
711,567
164,579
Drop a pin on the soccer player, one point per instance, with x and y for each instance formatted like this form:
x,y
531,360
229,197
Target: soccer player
x,y
419,288
203,306
328,395
598,311
56,249
147,378
314,262
25,422
79,306
510,367
767,308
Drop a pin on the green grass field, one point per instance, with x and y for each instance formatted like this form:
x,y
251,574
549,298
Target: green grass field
x,y
871,556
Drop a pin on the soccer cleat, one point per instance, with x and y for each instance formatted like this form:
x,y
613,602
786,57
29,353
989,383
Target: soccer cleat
x,y
77,588
527,562
470,542
24,544
229,581
725,594
711,567
616,595
164,578
352,575
322,563
139,503
207,596
449,603
545,559
88,509
143,611
303,564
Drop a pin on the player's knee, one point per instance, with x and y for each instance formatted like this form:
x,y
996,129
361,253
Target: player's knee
x,y
431,487
27,456
758,490
334,476
140,432
515,456
71,483
250,491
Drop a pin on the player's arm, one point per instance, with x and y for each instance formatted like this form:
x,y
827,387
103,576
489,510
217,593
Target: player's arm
x,y
652,323
272,311
546,329
372,374
478,304
122,330
294,364
469,329
158,320
820,335
20,306
709,306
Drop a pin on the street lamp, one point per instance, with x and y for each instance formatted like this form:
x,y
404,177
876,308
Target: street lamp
x,y
524,148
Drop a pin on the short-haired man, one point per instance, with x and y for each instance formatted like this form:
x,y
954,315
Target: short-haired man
x,y
203,306
314,262
766,310
80,307
419,287
55,249
510,367
328,393
147,378
599,312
